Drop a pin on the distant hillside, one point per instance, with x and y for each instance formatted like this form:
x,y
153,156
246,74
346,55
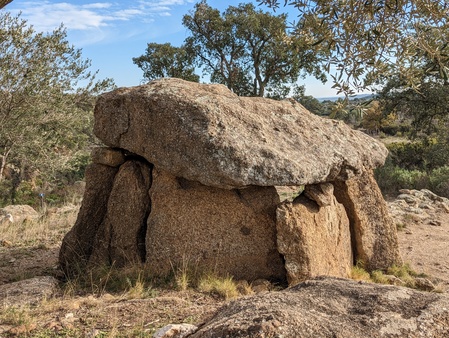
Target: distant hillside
x,y
335,98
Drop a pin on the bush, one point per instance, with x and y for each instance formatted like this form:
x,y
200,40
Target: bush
x,y
439,181
391,178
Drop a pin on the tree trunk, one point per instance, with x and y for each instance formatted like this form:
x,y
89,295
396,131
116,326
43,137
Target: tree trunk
x,y
3,162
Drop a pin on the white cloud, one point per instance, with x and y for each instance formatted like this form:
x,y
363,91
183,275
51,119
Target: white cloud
x,y
98,5
47,15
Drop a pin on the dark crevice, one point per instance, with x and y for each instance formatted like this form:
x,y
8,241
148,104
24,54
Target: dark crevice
x,y
142,233
341,194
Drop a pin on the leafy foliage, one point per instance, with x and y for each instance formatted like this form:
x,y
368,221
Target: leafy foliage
x,y
165,60
46,101
370,40
427,108
251,52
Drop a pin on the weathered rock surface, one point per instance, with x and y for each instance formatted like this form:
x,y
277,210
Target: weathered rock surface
x,y
374,235
333,308
225,231
108,156
423,224
314,240
190,176
419,203
19,213
175,331
77,245
208,134
121,236
28,291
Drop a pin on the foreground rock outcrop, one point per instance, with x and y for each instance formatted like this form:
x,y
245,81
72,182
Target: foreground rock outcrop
x,y
331,307
189,177
29,291
18,214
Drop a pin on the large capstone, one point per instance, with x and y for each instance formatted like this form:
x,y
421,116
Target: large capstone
x,y
208,134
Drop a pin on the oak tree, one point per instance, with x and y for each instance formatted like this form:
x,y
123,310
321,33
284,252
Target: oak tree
x,y
165,60
370,40
251,51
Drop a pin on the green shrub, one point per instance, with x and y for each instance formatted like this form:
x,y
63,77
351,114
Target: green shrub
x,y
439,181
391,178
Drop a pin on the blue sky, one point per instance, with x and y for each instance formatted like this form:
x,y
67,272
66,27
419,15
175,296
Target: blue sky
x,y
112,32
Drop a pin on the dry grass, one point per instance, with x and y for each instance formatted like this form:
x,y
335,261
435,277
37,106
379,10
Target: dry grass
x,y
359,273
46,231
397,274
104,303
224,287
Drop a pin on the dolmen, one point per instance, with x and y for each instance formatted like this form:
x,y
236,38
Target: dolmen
x,y
192,173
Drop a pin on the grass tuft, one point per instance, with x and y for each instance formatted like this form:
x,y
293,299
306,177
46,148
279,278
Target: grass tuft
x,y
403,273
225,287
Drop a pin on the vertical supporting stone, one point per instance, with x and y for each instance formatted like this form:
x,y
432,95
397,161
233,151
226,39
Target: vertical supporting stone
x,y
210,229
78,244
374,233
121,237
314,236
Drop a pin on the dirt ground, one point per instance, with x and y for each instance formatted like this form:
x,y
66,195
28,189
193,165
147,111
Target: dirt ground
x,y
423,244
75,312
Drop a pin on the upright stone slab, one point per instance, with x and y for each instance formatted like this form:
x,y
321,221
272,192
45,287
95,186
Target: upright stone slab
x,y
373,231
314,240
225,231
77,245
121,237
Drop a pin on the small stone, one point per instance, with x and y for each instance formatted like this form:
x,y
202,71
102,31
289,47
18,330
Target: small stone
x,y
444,207
429,194
175,331
414,210
435,223
393,280
94,333
53,325
424,284
408,198
261,285
107,297
5,243
322,193
243,287
108,156
418,194
22,330
425,206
